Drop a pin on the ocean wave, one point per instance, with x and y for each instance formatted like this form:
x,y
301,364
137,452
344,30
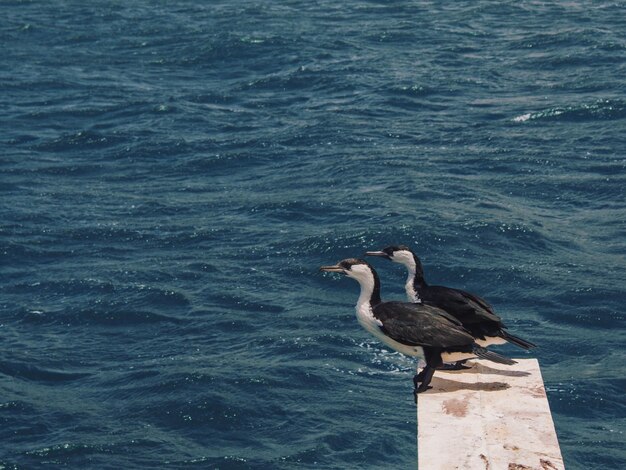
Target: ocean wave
x,y
239,303
79,141
599,111
106,314
28,371
66,287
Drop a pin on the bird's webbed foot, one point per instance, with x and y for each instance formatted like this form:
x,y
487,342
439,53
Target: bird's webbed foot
x,y
421,381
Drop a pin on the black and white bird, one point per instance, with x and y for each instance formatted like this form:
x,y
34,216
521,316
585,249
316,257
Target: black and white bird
x,y
410,328
476,315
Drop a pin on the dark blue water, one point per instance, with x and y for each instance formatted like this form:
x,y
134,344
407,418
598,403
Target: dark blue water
x,y
172,175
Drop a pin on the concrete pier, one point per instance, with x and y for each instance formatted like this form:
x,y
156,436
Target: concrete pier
x,y
492,417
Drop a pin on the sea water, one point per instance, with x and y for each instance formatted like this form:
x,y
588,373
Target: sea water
x,y
173,174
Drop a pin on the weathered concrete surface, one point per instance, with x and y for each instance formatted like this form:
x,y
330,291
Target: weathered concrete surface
x,y
492,417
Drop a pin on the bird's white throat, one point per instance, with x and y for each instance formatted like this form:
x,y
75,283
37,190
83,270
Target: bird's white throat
x,y
364,276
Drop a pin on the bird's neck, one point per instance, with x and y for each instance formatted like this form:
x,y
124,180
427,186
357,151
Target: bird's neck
x,y
415,280
412,293
370,292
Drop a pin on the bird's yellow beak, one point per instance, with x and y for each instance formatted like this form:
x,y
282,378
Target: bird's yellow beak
x,y
332,269
382,254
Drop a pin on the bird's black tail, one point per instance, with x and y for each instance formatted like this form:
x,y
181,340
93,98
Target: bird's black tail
x,y
483,353
517,341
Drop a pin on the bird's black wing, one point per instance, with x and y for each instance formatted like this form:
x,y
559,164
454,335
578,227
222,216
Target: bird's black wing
x,y
420,325
478,300
467,307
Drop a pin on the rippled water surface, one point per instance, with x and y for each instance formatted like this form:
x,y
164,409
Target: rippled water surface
x,y
172,175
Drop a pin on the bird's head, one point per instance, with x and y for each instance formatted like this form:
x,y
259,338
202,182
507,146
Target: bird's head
x,y
363,273
397,253
352,267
